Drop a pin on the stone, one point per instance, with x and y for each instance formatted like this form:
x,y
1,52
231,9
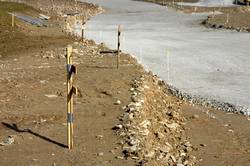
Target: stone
x,y
99,136
165,149
100,154
195,116
172,126
132,89
159,135
119,157
203,145
7,141
130,149
187,144
134,99
134,142
118,102
145,124
42,81
51,96
150,154
116,127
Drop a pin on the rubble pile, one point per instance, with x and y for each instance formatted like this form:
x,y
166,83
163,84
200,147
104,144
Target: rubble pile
x,y
152,129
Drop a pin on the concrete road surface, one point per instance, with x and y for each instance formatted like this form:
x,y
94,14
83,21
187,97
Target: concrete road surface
x,y
197,60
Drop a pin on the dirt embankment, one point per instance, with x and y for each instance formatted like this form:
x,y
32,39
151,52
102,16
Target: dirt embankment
x,y
152,127
235,19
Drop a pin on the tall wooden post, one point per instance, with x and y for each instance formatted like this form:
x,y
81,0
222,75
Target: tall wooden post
x,y
118,46
70,91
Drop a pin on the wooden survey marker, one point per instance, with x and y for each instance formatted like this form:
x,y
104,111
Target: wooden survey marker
x,y
118,46
12,20
71,71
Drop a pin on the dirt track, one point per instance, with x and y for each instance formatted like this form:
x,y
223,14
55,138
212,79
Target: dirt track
x,y
24,85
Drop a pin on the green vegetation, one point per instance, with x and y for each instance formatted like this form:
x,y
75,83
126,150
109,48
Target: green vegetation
x,y
13,40
6,7
24,38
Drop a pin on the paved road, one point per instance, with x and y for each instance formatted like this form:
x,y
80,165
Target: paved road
x,y
174,46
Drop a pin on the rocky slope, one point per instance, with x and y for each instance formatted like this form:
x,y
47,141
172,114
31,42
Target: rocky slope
x,y
152,129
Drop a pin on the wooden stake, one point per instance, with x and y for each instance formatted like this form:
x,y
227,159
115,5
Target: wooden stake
x,y
213,13
12,20
70,91
227,21
52,5
118,46
71,106
69,116
83,23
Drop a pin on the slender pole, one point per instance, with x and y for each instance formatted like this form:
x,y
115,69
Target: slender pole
x,y
12,20
70,91
69,135
118,46
227,21
71,108
52,5
83,23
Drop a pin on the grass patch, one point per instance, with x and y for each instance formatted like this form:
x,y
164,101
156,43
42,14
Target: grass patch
x,y
12,39
24,38
6,7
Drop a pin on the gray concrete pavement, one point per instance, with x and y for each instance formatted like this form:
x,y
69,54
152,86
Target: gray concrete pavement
x,y
210,63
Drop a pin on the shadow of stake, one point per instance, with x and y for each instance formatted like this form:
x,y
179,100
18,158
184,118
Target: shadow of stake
x,y
15,128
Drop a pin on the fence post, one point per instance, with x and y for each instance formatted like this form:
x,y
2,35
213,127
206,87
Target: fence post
x,y
118,46
71,70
